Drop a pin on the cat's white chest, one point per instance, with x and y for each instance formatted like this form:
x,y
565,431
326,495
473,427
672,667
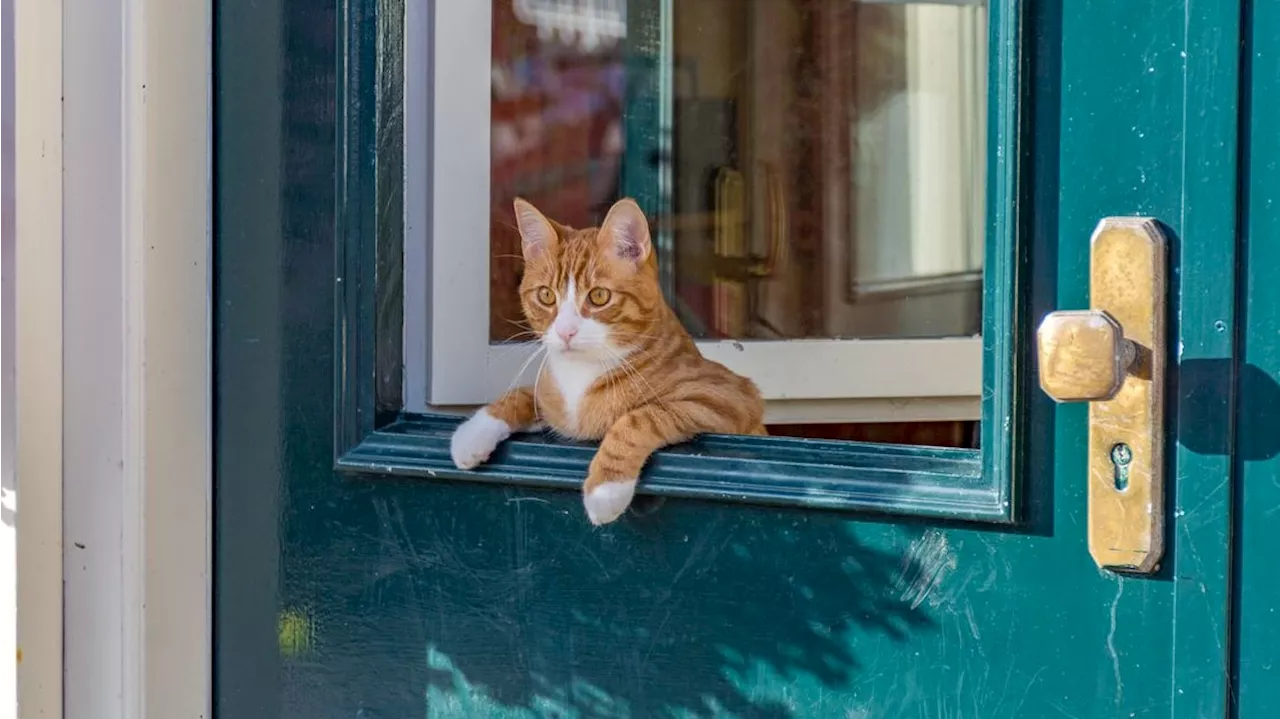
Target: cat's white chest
x,y
573,378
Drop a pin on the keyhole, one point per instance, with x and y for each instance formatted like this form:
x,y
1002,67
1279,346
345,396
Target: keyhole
x,y
1121,456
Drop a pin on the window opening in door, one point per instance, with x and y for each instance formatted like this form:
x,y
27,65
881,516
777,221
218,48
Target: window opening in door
x,y
813,171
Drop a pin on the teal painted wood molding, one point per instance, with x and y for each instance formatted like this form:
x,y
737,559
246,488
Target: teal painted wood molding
x,y
920,481
1007,389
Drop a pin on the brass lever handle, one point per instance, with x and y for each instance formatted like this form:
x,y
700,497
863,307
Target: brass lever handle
x,y
1113,356
1084,356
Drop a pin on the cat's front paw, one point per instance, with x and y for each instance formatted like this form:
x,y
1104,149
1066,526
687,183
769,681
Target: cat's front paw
x,y
474,440
607,501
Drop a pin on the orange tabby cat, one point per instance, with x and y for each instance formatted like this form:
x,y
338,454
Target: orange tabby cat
x,y
619,367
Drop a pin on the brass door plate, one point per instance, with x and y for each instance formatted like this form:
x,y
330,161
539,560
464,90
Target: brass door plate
x,y
1127,281
1113,356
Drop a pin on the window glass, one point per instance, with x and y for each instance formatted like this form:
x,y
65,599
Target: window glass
x,y
811,168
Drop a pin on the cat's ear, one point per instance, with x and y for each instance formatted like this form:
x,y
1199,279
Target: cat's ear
x,y
625,231
537,234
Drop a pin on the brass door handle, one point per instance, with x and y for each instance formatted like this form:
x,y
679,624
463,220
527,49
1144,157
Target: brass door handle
x,y
1084,356
1113,356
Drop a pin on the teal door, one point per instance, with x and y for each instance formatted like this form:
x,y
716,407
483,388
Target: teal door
x,y
942,571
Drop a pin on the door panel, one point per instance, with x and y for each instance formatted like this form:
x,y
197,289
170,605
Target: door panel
x,y
351,594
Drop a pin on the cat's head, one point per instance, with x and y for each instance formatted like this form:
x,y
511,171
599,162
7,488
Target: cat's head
x,y
594,292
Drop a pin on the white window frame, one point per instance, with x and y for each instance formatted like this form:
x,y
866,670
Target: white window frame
x,y
450,363
113,372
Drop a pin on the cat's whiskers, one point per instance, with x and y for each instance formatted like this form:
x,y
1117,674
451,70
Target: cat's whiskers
x,y
630,336
526,329
538,378
628,389
610,383
504,349
541,350
514,339
631,370
638,340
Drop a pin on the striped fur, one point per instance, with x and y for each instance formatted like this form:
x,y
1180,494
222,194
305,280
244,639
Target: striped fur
x,y
630,375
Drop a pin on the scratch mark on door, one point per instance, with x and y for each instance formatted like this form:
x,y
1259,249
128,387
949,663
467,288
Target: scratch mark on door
x,y
1111,641
928,561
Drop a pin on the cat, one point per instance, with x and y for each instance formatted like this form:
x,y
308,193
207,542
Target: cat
x,y
619,366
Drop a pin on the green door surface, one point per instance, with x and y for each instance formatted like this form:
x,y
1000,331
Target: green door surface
x,y
356,578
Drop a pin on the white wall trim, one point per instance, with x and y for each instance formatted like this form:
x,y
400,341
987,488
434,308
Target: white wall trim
x,y
94,430
114,373
169,249
8,528
38,366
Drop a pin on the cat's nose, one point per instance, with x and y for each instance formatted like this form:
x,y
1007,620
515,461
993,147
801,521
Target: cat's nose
x,y
566,334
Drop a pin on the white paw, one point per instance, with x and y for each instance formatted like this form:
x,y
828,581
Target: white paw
x,y
608,501
474,440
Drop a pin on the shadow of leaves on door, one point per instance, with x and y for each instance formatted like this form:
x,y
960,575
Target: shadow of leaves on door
x,y
697,610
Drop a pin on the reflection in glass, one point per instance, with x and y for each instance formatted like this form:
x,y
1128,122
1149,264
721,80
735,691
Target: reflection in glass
x,y
811,168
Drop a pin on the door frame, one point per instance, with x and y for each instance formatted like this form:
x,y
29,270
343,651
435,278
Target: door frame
x,y
37,314
113,368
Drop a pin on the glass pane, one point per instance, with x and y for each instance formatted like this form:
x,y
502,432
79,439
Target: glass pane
x,y
811,168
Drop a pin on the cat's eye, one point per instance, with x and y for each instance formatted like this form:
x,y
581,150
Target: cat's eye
x,y
599,296
546,296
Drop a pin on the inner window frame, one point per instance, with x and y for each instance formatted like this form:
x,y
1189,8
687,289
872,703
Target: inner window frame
x,y
379,431
451,364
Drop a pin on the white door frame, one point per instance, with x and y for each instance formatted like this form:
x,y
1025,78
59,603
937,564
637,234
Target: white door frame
x,y
37,314
112,304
